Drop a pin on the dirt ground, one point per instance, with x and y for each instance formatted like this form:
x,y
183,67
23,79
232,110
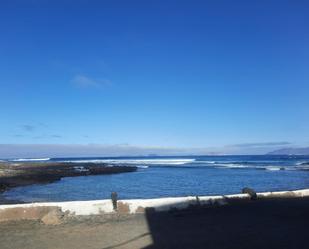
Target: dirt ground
x,y
278,223
92,233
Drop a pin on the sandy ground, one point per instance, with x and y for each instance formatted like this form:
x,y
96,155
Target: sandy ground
x,y
276,223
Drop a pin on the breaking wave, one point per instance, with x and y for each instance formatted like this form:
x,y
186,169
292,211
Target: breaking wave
x,y
269,165
142,166
255,167
232,165
303,167
30,159
303,163
137,161
274,168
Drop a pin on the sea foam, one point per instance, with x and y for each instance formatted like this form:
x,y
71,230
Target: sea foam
x,y
137,161
30,159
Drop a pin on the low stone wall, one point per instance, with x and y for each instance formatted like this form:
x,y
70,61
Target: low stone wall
x,y
51,212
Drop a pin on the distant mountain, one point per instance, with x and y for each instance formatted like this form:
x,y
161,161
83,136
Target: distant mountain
x,y
290,151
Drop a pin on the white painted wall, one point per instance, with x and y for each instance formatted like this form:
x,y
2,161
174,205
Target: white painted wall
x,y
160,204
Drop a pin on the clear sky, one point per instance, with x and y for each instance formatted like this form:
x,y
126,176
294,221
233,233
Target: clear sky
x,y
189,74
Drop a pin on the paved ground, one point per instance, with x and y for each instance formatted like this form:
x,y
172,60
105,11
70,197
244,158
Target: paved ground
x,y
254,224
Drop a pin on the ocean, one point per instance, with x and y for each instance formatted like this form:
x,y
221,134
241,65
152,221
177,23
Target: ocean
x,y
173,176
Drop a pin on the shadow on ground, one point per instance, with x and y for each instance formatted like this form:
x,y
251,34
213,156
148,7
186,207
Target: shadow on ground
x,y
258,224
278,223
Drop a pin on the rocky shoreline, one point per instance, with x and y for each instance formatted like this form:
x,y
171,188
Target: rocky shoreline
x,y
27,173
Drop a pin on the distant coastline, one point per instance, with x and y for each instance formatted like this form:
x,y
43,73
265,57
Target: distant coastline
x,y
291,151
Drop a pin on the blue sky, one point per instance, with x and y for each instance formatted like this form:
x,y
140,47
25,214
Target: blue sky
x,y
164,74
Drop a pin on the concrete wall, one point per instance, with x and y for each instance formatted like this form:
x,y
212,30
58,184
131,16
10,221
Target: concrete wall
x,y
40,210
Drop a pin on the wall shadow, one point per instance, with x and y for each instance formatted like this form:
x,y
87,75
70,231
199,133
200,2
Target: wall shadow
x,y
272,223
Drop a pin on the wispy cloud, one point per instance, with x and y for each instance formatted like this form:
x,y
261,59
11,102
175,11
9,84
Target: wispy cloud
x,y
250,145
87,82
17,135
27,127
43,125
80,150
70,150
56,136
44,136
37,131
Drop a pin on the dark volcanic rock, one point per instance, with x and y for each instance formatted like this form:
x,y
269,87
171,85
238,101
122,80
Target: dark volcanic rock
x,y
251,192
21,174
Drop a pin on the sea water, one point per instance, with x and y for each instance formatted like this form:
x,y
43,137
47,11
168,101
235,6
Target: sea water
x,y
173,176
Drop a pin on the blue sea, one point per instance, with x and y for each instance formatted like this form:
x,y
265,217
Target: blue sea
x,y
173,176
